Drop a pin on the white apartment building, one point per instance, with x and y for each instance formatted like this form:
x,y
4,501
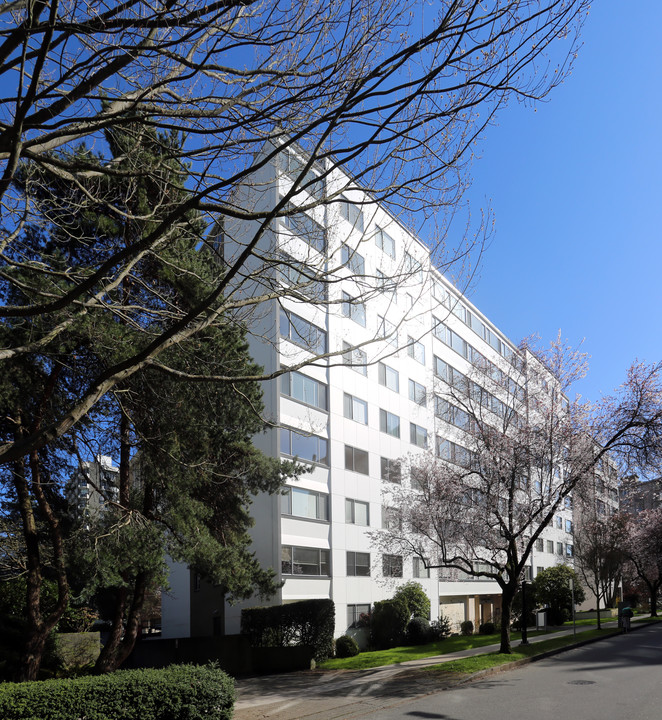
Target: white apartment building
x,y
355,416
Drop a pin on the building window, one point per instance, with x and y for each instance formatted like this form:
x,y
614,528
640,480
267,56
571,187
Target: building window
x,y
413,267
355,358
305,504
358,564
355,409
304,447
385,242
416,350
528,573
418,479
419,569
440,293
559,522
357,512
540,545
357,614
451,414
391,519
387,330
305,561
455,453
392,565
389,423
309,181
302,278
353,214
352,260
418,435
391,470
568,526
569,550
440,368
559,548
302,333
388,377
417,393
302,225
353,309
356,460
305,389
567,502
550,546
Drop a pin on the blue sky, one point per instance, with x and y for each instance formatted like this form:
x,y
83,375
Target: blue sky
x,y
576,190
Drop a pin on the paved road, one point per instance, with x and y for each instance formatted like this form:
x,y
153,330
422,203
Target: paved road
x,y
614,679
403,692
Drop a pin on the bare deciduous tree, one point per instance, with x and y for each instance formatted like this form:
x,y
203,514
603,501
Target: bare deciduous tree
x,y
393,97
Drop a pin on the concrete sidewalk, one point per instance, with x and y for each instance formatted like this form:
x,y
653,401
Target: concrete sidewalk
x,y
336,694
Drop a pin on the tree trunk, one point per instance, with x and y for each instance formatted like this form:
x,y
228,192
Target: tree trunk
x,y
653,592
507,595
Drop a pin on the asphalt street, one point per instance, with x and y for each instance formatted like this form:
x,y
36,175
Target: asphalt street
x,y
614,678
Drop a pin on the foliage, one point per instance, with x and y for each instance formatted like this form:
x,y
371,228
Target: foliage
x,y
466,627
346,647
306,622
552,587
643,548
487,628
418,631
388,623
415,598
179,692
440,628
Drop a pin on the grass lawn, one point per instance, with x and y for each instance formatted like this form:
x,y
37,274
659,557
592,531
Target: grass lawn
x,y
377,658
489,660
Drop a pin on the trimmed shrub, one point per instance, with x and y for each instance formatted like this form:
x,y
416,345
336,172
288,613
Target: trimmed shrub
x,y
487,628
307,622
388,623
178,692
418,631
467,628
414,597
346,647
439,629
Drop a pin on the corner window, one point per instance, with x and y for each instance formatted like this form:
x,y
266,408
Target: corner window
x,y
305,389
417,393
305,504
352,260
302,333
304,447
416,350
305,561
353,214
387,330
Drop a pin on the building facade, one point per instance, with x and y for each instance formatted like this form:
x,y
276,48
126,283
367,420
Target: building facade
x,y
361,294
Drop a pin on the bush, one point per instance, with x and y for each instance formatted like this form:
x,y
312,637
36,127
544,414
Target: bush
x,y
414,597
388,623
179,692
557,616
418,631
487,628
467,627
346,647
307,622
439,629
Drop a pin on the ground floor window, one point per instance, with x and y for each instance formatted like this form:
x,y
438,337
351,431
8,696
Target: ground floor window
x,y
357,614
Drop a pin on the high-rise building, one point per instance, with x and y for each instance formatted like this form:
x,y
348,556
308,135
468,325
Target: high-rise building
x,y
390,329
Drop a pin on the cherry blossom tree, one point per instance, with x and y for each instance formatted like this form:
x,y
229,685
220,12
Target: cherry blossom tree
x,y
643,548
510,449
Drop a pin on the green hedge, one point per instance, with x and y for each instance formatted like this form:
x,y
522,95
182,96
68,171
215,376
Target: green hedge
x,y
179,692
307,622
